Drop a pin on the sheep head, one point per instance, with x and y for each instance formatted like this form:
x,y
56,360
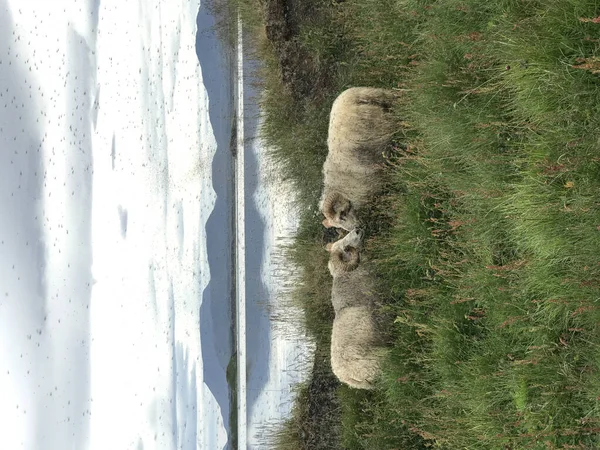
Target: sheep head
x,y
344,254
338,211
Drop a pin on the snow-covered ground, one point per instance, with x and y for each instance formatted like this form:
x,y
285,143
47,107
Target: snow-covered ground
x,y
277,355
115,238
106,190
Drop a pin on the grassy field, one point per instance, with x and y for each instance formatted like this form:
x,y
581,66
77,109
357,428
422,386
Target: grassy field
x,y
487,239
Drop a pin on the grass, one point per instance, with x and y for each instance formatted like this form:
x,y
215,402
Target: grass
x,y
487,239
315,415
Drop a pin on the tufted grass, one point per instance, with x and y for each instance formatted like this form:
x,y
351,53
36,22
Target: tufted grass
x,y
487,240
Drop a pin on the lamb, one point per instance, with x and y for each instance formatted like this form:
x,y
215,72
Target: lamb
x,y
356,350
361,125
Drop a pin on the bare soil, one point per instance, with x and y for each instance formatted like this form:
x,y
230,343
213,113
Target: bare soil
x,y
302,75
322,424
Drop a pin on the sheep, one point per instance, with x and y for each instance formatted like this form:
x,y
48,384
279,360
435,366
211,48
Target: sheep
x,y
356,345
355,353
361,125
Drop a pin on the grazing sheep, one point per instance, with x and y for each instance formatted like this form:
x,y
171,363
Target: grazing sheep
x,y
356,349
361,124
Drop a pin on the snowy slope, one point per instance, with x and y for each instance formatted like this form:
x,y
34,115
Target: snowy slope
x,y
278,356
106,189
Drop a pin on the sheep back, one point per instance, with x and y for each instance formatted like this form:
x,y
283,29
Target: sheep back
x,y
361,125
355,353
355,288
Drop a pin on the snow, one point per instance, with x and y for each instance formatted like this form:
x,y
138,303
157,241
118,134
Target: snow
x,y
106,171
115,268
289,351
278,356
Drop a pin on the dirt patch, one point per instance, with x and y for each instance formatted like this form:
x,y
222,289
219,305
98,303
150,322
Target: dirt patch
x,y
322,428
300,72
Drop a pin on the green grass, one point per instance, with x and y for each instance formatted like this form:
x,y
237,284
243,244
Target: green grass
x,y
488,247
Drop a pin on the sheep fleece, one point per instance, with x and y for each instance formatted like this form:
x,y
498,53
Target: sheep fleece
x,y
360,127
356,350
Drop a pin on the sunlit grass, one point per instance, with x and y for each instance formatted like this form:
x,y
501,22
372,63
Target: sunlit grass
x,y
487,250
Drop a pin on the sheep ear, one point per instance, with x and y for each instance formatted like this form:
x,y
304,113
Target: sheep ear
x,y
327,223
329,246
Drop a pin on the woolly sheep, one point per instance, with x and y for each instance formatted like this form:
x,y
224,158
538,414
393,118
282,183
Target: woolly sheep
x,y
356,349
361,124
